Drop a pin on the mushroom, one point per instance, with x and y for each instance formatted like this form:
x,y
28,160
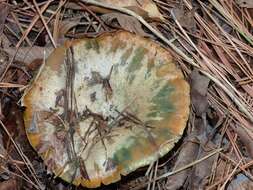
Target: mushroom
x,y
104,107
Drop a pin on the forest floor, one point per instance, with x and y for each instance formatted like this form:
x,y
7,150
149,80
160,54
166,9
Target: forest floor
x,y
211,40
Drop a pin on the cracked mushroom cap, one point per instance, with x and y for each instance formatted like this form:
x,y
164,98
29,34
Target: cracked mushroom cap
x,y
104,107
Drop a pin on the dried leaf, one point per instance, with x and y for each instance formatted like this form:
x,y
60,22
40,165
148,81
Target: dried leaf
x,y
66,25
4,41
3,174
2,149
241,182
35,64
27,54
245,138
185,18
145,8
190,152
186,155
3,15
202,171
72,5
14,124
128,23
4,58
245,3
9,185
199,86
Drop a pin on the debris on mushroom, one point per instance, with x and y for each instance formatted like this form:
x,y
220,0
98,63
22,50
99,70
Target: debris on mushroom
x,y
104,107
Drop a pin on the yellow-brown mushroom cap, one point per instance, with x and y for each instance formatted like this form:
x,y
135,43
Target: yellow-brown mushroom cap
x,y
104,107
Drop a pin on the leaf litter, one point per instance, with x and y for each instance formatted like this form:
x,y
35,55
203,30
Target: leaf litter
x,y
222,34
125,22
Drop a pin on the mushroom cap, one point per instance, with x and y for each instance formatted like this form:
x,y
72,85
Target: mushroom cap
x,y
104,107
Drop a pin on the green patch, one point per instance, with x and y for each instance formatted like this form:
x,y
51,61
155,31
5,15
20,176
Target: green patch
x,y
135,63
149,123
153,114
156,84
124,154
92,44
162,105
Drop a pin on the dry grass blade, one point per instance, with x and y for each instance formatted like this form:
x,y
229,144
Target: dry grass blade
x,y
234,22
20,176
24,36
182,168
44,22
240,167
229,88
20,28
229,38
10,85
189,165
232,173
35,19
245,166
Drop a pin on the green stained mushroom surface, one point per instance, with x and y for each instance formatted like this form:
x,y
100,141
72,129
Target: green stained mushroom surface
x,y
104,107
